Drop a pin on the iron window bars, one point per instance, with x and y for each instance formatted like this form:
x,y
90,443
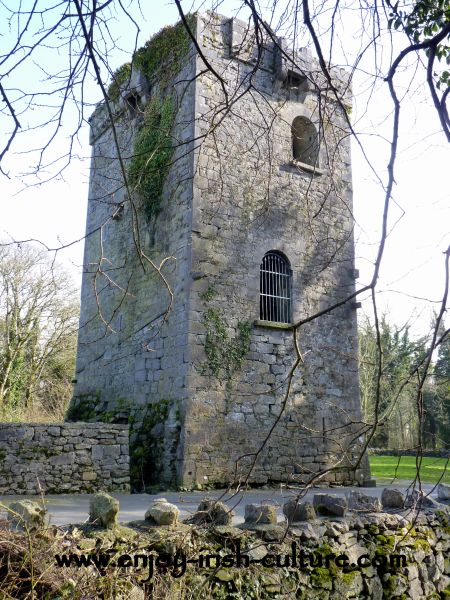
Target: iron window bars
x,y
275,289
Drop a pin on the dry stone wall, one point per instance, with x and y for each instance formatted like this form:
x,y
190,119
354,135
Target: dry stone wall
x,y
63,458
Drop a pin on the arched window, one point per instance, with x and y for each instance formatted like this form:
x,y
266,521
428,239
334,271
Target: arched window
x,y
275,298
305,146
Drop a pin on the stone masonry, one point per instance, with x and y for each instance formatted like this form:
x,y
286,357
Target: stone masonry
x,y
63,458
235,191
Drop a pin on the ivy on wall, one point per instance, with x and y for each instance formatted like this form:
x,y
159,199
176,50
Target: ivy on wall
x,y
224,354
152,154
146,444
163,55
120,76
159,60
146,453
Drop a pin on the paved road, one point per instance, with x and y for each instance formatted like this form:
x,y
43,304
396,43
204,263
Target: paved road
x,y
74,508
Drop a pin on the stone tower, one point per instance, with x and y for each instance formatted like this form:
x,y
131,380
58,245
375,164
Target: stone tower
x,y
239,225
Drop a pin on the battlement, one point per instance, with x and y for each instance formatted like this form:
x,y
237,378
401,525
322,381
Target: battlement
x,y
270,59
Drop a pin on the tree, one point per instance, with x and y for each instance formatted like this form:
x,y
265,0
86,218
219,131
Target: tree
x,y
38,325
437,398
400,356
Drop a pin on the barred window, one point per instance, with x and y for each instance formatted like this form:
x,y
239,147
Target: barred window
x,y
275,288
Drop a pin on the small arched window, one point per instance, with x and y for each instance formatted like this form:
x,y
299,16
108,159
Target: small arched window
x,y
275,299
305,145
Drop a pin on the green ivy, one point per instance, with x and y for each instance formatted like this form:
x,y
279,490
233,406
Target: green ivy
x,y
120,76
159,59
147,451
152,154
224,354
209,294
83,407
162,56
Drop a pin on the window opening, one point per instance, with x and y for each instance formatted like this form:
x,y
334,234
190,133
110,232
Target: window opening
x,y
275,289
305,147
133,103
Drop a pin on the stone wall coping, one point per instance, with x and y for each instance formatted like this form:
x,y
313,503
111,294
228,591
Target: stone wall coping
x,y
68,424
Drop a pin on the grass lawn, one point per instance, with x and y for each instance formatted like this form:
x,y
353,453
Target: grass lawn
x,y
404,467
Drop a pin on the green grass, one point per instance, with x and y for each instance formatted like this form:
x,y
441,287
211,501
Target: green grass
x,y
404,467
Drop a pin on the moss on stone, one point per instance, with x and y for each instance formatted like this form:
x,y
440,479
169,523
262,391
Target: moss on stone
x,y
152,154
159,59
321,577
163,55
83,407
386,540
422,544
224,355
146,452
349,577
119,413
120,76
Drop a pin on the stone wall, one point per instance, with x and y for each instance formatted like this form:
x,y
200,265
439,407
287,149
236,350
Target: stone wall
x,y
442,453
131,361
249,198
63,458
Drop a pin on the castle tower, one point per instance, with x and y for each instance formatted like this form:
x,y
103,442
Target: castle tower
x,y
240,195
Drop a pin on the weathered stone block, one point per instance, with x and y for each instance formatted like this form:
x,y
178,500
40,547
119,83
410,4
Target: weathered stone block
x,y
443,491
162,512
364,502
420,499
27,515
392,498
62,459
327,504
103,510
212,512
260,514
299,511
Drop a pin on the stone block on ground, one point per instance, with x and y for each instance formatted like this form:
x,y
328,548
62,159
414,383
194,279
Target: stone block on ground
x,y
270,532
443,492
212,512
299,511
392,498
103,510
421,500
330,505
27,515
162,512
260,514
364,502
